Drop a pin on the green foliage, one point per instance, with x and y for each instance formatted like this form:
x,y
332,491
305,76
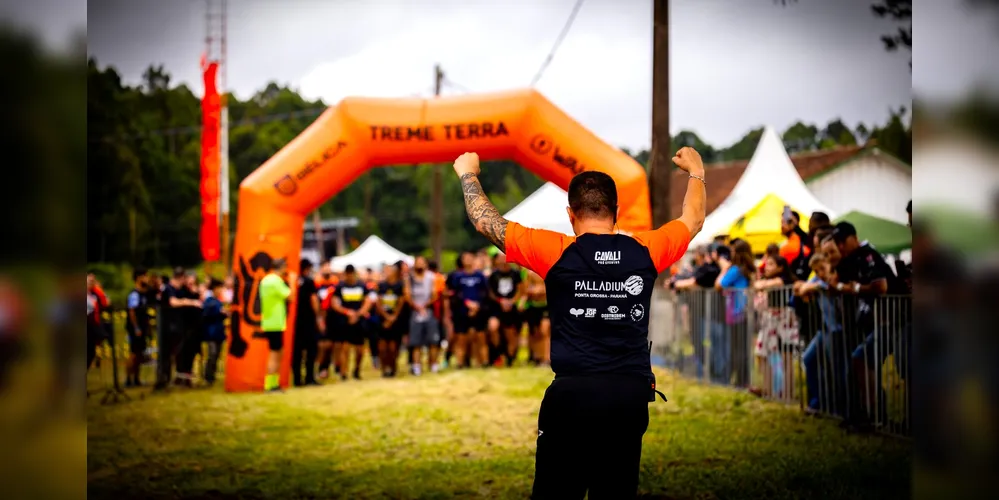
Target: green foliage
x,y
144,167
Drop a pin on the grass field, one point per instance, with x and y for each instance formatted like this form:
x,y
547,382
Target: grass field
x,y
468,434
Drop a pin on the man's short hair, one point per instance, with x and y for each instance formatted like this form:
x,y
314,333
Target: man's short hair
x,y
823,233
137,273
842,231
304,265
432,265
350,269
796,216
818,219
178,272
593,194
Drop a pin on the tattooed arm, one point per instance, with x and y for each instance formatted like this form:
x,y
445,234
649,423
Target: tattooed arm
x,y
481,212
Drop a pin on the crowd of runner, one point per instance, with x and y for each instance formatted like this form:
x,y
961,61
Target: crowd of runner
x,y
472,317
479,315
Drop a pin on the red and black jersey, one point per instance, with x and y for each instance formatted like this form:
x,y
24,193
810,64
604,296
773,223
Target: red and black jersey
x,y
97,302
599,292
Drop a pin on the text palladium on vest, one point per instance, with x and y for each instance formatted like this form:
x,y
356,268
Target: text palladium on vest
x,y
600,286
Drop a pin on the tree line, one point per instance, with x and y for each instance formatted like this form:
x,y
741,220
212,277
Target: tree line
x,y
143,156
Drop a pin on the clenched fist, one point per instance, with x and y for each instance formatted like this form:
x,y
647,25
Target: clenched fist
x,y
467,163
688,160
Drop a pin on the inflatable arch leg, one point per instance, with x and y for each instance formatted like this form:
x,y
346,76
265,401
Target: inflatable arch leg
x,y
362,133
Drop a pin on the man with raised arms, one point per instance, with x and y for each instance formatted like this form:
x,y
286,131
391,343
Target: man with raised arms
x,y
595,412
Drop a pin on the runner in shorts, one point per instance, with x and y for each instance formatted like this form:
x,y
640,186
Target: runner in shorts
x,y
325,285
536,316
424,330
469,288
274,293
351,301
390,302
504,292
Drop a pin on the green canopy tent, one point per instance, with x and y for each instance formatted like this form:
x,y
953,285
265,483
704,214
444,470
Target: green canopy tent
x,y
960,230
888,237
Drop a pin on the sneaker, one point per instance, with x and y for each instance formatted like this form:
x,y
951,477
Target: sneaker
x,y
416,370
343,378
435,368
276,390
357,375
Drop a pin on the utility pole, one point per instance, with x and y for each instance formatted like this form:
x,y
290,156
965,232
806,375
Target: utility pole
x,y
437,190
660,158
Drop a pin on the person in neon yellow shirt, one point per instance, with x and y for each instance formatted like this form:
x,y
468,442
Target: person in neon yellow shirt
x,y
274,294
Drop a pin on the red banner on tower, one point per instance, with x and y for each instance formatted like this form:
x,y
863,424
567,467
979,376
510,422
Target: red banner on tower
x,y
211,107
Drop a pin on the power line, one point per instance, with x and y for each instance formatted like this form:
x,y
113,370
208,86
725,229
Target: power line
x,y
558,41
457,86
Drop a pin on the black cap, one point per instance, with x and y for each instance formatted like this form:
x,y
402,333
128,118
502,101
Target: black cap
x,y
350,269
843,230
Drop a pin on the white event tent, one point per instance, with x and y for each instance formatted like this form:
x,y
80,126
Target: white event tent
x,y
373,253
770,171
543,209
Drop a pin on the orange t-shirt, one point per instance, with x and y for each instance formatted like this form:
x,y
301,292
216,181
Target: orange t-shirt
x,y
538,250
792,247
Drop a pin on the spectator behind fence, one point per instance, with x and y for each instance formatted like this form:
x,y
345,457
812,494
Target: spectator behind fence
x,y
772,251
737,273
863,277
778,329
703,276
827,339
797,249
818,220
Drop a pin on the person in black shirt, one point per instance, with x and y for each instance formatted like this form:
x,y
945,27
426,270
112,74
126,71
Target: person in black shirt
x,y
864,276
308,324
191,327
137,327
703,278
172,301
352,302
599,287
390,304
504,292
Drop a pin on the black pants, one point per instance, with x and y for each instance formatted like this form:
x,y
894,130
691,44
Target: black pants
x,y
305,341
190,347
590,432
212,363
169,343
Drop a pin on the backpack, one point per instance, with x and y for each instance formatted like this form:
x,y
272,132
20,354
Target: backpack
x,y
800,268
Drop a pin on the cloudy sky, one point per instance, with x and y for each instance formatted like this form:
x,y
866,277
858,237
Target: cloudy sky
x,y
735,64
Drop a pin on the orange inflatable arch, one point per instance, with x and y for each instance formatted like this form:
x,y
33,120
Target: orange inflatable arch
x,y
362,133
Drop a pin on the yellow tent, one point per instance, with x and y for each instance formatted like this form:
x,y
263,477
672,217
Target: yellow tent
x,y
760,226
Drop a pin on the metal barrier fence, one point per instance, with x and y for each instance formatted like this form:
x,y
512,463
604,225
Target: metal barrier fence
x,y
844,356
115,326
